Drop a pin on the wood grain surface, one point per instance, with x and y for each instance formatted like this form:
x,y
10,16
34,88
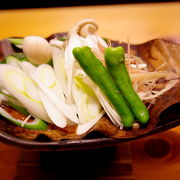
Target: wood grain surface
x,y
156,157
106,163
138,22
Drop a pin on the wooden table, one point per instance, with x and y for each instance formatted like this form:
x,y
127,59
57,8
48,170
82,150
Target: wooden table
x,y
139,23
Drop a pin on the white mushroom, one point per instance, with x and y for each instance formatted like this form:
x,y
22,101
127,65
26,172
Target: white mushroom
x,y
37,49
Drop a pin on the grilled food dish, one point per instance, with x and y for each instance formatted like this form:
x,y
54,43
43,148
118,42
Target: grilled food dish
x,y
74,83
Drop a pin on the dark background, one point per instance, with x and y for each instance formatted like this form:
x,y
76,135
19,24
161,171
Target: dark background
x,y
18,4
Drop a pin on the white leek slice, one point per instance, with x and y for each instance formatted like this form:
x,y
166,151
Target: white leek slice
x,y
109,109
6,97
91,41
94,40
97,44
27,67
17,83
56,43
89,108
83,128
11,101
45,78
13,61
74,41
55,115
101,41
46,75
59,67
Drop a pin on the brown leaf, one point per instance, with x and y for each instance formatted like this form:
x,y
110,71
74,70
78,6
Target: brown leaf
x,y
159,54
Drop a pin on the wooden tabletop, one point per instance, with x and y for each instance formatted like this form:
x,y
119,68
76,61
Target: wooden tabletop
x,y
139,23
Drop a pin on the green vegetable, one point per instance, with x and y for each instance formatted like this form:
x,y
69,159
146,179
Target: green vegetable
x,y
36,124
20,56
16,41
11,101
50,63
115,62
3,61
62,38
98,73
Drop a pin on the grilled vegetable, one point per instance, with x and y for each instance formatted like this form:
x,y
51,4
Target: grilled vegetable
x,y
115,62
11,101
20,86
16,41
35,124
98,73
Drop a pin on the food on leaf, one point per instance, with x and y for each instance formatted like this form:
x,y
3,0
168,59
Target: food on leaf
x,y
72,84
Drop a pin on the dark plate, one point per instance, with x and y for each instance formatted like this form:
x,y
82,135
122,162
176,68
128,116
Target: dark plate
x,y
93,141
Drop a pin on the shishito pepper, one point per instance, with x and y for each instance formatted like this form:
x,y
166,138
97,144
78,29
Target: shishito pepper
x,y
35,124
115,62
99,74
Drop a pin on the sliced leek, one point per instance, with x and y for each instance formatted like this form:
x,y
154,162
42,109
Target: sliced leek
x,y
45,78
55,115
13,61
74,41
11,101
18,84
89,108
59,66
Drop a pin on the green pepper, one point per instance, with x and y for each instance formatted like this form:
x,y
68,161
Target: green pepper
x,y
115,63
99,74
36,124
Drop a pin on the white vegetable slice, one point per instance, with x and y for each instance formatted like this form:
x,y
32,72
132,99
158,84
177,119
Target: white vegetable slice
x,y
7,97
19,85
59,67
11,101
50,87
46,75
74,41
97,44
83,128
89,108
55,115
27,67
109,109
101,41
56,43
13,61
